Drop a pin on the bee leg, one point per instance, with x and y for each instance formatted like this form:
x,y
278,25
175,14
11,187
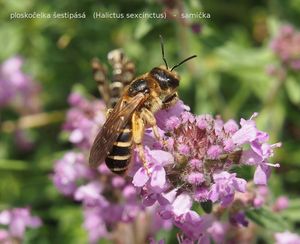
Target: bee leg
x,y
123,68
100,76
116,88
150,120
138,129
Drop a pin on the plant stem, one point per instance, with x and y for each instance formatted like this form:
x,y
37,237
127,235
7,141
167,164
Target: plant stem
x,y
32,121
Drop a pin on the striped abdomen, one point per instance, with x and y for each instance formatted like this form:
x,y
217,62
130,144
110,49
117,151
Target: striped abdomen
x,y
119,157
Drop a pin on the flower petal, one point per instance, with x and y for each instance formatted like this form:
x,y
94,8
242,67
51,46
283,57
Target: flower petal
x,y
158,178
140,178
162,157
182,204
260,176
246,134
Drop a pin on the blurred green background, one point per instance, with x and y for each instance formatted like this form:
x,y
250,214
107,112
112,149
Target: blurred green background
x,y
228,78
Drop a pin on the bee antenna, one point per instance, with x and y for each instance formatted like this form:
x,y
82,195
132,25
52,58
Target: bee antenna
x,y
183,61
163,50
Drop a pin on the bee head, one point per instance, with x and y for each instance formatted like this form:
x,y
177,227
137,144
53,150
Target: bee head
x,y
167,78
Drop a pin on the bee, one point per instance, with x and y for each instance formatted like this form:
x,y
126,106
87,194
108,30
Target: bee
x,y
134,111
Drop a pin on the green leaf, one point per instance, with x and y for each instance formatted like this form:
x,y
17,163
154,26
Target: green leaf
x,y
6,164
267,219
70,221
293,211
9,187
207,206
271,118
293,90
165,235
142,29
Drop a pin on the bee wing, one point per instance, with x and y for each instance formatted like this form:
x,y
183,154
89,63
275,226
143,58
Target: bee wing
x,y
112,128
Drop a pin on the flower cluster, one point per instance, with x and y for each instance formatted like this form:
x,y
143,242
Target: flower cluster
x,y
16,220
19,92
286,47
110,202
83,120
17,89
194,163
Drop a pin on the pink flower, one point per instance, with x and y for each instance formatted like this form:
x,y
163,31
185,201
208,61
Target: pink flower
x,y
231,126
287,238
258,155
224,187
17,220
4,237
286,46
95,224
204,149
90,194
281,203
156,175
68,170
247,133
218,231
260,150
192,225
18,89
261,195
163,116
239,218
196,178
214,151
84,120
